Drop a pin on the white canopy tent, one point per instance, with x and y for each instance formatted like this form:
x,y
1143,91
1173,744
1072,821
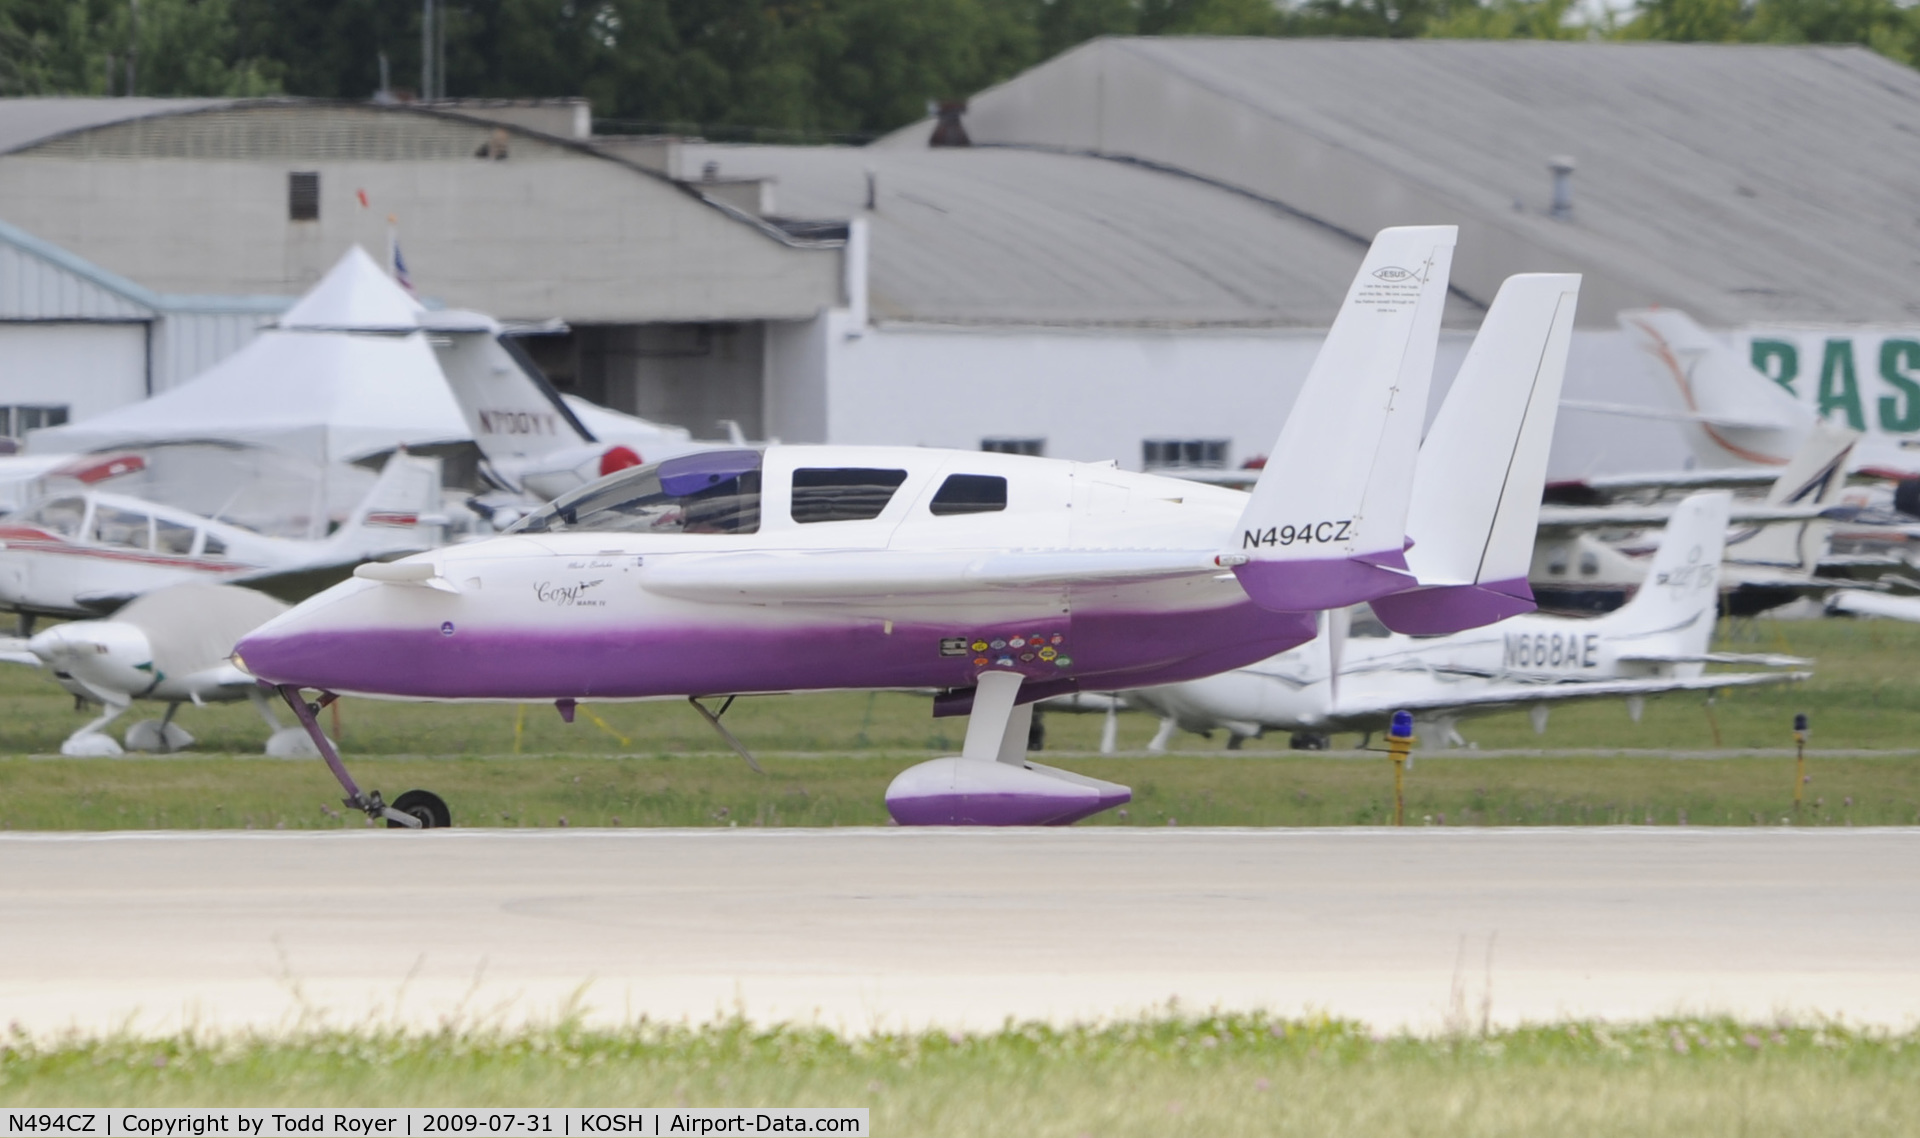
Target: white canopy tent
x,y
345,373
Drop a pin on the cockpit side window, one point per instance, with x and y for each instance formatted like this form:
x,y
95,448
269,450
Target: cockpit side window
x,y
970,494
124,528
63,516
172,537
842,494
709,492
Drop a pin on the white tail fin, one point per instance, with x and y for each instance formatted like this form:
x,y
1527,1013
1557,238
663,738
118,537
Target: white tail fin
x,y
1477,484
513,411
1326,525
1682,586
400,514
1733,415
1816,477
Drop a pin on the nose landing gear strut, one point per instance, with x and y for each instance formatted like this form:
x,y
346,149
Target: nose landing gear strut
x,y
413,810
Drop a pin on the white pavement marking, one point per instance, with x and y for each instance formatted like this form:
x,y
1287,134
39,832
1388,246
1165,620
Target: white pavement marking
x,y
889,929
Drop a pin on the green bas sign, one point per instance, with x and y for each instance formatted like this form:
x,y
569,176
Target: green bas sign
x,y
1869,381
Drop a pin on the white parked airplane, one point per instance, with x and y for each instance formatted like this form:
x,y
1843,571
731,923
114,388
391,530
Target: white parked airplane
x,y
1657,643
536,440
997,579
1775,553
87,552
169,646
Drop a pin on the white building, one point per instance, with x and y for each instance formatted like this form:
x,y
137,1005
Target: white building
x,y
76,340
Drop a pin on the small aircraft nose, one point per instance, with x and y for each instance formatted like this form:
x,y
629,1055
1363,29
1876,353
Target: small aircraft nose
x,y
102,653
57,644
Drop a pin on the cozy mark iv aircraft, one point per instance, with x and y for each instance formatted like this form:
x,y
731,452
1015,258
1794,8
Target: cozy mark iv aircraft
x,y
1657,643
997,579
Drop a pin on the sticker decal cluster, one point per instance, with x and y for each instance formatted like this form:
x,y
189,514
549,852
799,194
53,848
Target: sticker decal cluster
x,y
1035,652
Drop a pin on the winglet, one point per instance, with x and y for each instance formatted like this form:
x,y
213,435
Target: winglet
x,y
1326,525
1477,485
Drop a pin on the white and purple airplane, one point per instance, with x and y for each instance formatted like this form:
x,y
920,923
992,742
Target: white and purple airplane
x,y
994,579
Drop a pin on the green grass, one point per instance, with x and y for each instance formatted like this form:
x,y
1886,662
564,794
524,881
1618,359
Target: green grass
x,y
1232,1075
829,758
1865,694
718,790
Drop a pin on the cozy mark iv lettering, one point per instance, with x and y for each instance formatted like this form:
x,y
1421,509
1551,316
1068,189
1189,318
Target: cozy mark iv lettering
x,y
1311,533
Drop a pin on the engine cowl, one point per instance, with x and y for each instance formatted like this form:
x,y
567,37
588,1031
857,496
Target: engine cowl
x,y
973,792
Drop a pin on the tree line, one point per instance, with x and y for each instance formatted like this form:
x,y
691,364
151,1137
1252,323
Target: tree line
x,y
772,69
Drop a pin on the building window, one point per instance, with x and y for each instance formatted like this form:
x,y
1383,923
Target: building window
x,y
16,421
303,196
1210,454
970,494
1034,447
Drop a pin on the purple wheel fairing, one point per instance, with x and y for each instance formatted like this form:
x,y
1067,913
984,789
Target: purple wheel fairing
x,y
976,792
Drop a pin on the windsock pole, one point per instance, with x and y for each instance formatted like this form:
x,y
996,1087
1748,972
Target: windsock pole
x,y
1399,742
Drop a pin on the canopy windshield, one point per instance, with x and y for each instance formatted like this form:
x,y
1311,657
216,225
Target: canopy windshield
x,y
709,492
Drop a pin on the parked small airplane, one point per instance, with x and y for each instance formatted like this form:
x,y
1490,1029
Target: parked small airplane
x,y
86,552
170,646
1657,643
995,579
536,440
1778,552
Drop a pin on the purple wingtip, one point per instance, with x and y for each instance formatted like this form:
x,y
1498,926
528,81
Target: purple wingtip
x,y
1454,608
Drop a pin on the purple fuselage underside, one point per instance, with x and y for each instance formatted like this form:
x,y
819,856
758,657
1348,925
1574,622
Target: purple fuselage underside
x,y
1104,651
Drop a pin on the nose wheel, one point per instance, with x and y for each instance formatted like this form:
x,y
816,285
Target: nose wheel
x,y
414,810
424,805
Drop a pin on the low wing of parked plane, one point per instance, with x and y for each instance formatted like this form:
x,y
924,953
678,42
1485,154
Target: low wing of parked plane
x,y
1657,643
169,646
995,580
87,552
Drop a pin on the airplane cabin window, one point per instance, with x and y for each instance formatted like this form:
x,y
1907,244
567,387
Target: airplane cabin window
x,y
709,492
842,494
62,516
970,494
214,547
124,528
172,537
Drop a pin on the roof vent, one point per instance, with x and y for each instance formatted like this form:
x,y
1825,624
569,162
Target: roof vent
x,y
1562,167
948,131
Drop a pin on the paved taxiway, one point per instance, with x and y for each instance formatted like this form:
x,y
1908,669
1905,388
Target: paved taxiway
x,y
870,929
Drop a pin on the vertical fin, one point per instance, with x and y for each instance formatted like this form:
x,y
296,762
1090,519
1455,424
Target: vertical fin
x,y
400,512
1326,525
1816,476
1681,589
1477,484
511,408
1744,418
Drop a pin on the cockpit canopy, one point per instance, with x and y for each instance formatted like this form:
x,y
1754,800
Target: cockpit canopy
x,y
709,492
